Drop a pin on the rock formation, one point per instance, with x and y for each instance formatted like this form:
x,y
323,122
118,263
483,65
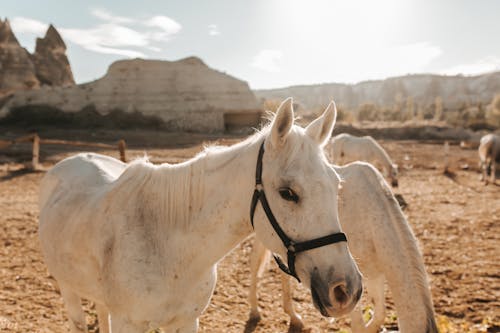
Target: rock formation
x,y
51,64
455,91
19,70
182,95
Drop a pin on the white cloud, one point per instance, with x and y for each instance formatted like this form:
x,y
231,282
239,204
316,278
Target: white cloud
x,y
168,26
107,38
118,35
213,30
104,15
27,25
485,65
267,60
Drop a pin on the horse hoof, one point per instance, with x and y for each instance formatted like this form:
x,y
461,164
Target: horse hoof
x,y
296,325
255,316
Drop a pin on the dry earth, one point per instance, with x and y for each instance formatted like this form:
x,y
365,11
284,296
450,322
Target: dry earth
x,y
456,219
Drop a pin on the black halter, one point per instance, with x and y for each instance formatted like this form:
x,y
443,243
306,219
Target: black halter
x,y
292,247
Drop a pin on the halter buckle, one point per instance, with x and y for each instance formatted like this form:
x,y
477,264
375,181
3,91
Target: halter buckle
x,y
291,247
259,187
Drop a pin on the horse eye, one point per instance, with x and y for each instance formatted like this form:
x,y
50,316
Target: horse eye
x,y
288,194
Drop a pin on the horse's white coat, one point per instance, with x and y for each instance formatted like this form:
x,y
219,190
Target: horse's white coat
x,y
489,155
142,241
345,148
385,248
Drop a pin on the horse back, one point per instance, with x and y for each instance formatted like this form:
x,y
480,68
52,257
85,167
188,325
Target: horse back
x,y
83,171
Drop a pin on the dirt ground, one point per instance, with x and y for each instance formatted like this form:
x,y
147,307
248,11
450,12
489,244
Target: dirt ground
x,y
455,218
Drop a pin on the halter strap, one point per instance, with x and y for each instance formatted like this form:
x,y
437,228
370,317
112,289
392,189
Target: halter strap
x,y
292,247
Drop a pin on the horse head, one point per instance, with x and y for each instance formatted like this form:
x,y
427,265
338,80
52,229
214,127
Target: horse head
x,y
301,196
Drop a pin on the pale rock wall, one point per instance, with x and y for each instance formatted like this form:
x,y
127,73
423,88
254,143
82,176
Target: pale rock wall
x,y
185,94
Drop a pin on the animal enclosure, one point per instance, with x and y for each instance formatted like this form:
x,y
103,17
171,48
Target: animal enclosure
x,y
455,220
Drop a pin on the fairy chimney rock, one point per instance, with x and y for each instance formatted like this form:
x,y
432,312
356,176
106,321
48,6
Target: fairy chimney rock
x,y
6,34
17,71
51,64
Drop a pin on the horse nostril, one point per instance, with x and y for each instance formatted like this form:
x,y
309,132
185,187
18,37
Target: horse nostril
x,y
340,294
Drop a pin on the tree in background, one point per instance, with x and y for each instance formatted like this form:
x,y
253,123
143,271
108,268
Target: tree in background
x,y
420,113
493,112
367,112
410,108
438,108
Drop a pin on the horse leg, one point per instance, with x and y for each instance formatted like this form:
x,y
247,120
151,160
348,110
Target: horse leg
x,y
375,288
191,328
73,304
258,260
375,292
357,322
120,324
103,318
296,323
493,171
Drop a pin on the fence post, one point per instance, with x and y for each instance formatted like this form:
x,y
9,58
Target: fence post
x,y
35,152
121,147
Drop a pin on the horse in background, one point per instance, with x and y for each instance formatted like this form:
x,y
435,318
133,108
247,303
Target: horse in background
x,y
489,156
385,248
345,148
142,241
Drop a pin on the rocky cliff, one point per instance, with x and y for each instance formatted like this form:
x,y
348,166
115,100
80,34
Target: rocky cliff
x,y
454,91
20,70
184,94
17,70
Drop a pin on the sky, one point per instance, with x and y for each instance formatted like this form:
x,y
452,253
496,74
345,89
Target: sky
x,y
273,43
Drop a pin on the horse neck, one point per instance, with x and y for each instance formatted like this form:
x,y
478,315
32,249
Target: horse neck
x,y
408,282
397,255
217,200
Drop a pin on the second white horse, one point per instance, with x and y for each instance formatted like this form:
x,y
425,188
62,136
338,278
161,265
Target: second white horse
x,y
385,248
345,148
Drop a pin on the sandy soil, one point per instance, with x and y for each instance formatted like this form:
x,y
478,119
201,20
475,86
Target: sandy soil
x,y
456,219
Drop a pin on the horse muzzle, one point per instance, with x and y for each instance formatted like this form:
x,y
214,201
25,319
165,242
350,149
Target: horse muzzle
x,y
338,298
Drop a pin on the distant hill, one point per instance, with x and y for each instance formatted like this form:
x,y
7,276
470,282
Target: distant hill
x,y
455,91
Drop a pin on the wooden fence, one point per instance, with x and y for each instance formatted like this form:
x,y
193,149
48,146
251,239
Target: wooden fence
x,y
37,141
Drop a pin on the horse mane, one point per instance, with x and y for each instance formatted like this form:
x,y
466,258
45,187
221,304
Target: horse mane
x,y
174,191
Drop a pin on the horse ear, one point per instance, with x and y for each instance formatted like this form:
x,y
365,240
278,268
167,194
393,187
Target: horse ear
x,y
282,123
320,129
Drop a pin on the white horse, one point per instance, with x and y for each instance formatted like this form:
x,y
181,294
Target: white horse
x,y
489,155
345,148
142,241
385,248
